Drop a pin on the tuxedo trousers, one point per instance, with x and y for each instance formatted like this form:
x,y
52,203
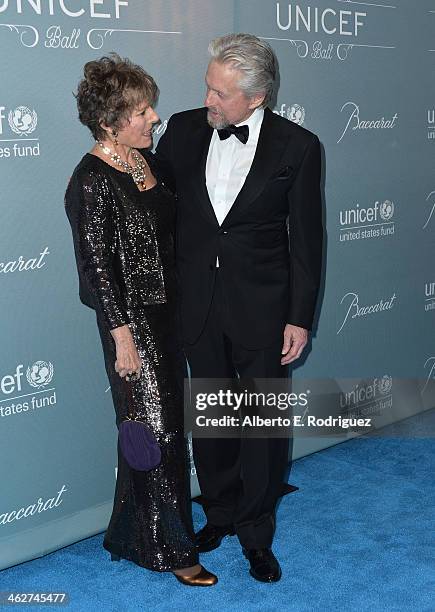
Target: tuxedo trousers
x,y
241,478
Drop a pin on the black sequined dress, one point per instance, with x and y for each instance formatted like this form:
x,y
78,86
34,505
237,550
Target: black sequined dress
x,y
123,240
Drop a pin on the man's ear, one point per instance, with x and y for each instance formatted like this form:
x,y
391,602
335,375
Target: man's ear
x,y
256,101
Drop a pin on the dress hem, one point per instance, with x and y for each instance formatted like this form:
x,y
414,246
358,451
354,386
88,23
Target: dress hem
x,y
121,553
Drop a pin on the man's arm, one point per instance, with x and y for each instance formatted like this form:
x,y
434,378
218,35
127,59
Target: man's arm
x,y
306,236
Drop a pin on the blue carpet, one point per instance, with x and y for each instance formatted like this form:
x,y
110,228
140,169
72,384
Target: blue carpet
x,y
358,535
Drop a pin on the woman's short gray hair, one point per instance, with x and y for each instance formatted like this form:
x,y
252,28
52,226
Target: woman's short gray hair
x,y
253,57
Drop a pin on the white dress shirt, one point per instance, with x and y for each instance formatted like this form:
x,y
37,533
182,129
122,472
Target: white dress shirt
x,y
228,164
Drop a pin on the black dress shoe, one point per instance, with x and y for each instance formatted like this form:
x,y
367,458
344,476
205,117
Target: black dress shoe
x,y
264,565
211,536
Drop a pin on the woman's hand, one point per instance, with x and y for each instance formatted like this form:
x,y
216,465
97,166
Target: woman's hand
x,y
128,360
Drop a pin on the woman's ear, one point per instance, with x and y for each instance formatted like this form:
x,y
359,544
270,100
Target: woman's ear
x,y
111,133
104,126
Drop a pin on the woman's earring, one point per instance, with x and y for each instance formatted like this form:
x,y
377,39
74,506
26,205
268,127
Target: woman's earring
x,y
115,137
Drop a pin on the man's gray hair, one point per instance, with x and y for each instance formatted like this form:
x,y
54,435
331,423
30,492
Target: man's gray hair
x,y
253,57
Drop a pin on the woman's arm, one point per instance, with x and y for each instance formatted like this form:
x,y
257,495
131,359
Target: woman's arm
x,y
96,240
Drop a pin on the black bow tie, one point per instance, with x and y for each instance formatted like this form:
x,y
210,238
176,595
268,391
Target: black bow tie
x,y
241,132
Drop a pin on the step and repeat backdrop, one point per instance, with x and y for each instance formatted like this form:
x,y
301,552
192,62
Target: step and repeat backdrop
x,y
358,74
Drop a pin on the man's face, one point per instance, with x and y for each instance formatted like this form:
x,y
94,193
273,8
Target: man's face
x,y
226,102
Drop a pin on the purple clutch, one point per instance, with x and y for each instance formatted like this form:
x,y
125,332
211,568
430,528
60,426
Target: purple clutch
x,y
139,446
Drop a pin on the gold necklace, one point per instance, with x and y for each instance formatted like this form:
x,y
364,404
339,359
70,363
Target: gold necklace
x,y
137,172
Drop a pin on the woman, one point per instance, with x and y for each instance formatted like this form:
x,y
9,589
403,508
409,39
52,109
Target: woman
x,y
122,220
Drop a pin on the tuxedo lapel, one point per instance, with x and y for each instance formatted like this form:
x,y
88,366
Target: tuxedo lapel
x,y
269,150
200,143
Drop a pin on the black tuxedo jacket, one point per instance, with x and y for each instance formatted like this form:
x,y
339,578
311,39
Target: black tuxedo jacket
x,y
270,243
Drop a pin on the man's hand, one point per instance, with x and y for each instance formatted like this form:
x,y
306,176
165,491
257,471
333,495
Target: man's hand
x,y
295,339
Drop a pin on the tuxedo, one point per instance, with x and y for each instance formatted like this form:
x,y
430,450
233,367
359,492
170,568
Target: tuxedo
x,y
268,248
272,272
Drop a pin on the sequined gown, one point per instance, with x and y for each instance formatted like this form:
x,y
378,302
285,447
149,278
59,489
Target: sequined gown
x,y
123,240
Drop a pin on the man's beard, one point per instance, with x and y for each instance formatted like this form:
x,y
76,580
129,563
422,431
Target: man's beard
x,y
219,123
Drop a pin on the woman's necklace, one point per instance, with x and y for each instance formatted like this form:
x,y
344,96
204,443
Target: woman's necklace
x,y
137,173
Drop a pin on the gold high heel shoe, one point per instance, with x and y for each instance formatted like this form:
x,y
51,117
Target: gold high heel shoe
x,y
203,578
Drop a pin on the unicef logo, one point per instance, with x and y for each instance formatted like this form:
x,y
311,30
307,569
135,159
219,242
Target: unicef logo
x,y
385,384
22,120
386,210
296,113
40,374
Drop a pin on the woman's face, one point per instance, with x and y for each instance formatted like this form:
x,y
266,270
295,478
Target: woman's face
x,y
137,131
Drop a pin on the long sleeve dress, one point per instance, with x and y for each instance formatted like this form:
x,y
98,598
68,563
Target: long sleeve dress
x,y
123,242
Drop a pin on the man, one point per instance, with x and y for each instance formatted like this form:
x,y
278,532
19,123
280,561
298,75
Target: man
x,y
249,281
